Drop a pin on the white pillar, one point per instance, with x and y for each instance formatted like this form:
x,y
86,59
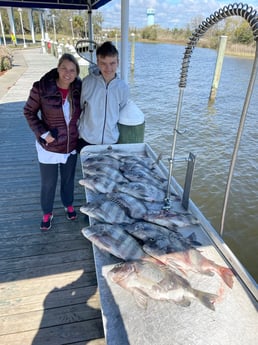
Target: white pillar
x,y
29,11
2,28
11,21
40,13
43,47
124,39
23,35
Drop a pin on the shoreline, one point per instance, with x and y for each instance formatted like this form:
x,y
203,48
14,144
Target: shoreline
x,y
244,52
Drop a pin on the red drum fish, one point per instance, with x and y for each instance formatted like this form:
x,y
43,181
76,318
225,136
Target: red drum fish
x,y
146,279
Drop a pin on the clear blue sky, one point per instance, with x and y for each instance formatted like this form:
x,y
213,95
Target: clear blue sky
x,y
168,13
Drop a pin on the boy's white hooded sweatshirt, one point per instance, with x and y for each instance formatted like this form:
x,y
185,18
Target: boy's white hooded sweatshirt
x,y
101,104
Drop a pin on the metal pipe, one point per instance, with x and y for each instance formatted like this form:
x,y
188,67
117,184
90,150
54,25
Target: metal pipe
x,y
238,138
173,148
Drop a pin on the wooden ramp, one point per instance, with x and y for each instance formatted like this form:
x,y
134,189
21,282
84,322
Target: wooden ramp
x,y
48,287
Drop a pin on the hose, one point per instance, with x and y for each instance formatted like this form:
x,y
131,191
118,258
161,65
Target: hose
x,y
243,10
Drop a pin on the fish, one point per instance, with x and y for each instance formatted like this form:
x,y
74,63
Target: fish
x,y
98,184
114,240
170,219
144,161
143,191
178,252
190,259
132,206
106,170
153,172
106,211
101,159
145,232
137,174
147,279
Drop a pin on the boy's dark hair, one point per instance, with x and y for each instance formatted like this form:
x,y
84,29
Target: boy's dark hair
x,y
107,49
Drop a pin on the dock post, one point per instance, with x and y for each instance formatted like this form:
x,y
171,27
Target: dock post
x,y
131,124
218,68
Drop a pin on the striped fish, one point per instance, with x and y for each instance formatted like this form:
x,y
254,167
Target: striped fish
x,y
143,191
132,206
113,239
98,184
106,211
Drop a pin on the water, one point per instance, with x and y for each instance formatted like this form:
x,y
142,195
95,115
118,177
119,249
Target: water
x,y
210,133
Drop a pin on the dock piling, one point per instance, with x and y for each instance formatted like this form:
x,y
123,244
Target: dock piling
x,y
218,68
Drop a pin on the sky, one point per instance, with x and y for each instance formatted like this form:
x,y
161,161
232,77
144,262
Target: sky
x,y
168,13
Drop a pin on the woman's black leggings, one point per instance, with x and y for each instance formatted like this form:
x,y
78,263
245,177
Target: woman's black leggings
x,y
49,176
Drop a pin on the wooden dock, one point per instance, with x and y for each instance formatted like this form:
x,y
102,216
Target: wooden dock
x,y
48,286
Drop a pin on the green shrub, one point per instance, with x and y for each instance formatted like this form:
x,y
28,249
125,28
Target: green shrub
x,y
6,59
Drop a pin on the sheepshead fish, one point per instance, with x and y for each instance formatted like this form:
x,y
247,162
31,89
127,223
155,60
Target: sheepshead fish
x,y
139,169
143,191
132,206
189,259
98,184
106,211
101,159
173,239
136,174
113,239
144,161
106,170
171,219
146,279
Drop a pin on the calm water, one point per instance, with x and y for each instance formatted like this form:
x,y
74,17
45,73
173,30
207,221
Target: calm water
x,y
210,134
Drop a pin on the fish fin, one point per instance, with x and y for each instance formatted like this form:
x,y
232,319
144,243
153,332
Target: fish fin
x,y
193,239
206,298
156,162
141,298
185,302
82,182
174,266
207,272
227,275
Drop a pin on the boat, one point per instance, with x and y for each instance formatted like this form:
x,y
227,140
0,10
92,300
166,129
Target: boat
x,y
235,318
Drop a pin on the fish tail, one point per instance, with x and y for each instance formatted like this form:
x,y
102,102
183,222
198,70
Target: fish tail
x,y
227,275
206,298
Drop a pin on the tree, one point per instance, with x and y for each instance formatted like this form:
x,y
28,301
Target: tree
x,y
243,34
150,33
78,25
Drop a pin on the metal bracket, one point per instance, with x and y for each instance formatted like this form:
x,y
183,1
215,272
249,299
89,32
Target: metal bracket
x,y
188,180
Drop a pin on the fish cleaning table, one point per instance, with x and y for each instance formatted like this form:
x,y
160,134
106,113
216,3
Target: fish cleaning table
x,y
234,321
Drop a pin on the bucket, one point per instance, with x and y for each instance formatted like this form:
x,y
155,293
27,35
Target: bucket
x,y
131,124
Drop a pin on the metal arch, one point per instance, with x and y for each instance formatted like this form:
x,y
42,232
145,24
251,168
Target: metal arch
x,y
248,13
243,10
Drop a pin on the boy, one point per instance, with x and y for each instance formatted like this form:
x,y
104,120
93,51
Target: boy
x,y
103,95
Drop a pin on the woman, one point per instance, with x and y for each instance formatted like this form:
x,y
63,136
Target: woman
x,y
52,111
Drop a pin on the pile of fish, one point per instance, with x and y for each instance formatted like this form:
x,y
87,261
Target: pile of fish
x,y
128,220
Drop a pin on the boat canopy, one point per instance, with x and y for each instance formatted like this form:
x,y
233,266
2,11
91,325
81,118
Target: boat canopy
x,y
57,4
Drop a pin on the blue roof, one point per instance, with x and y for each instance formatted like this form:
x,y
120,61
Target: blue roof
x,y
57,4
